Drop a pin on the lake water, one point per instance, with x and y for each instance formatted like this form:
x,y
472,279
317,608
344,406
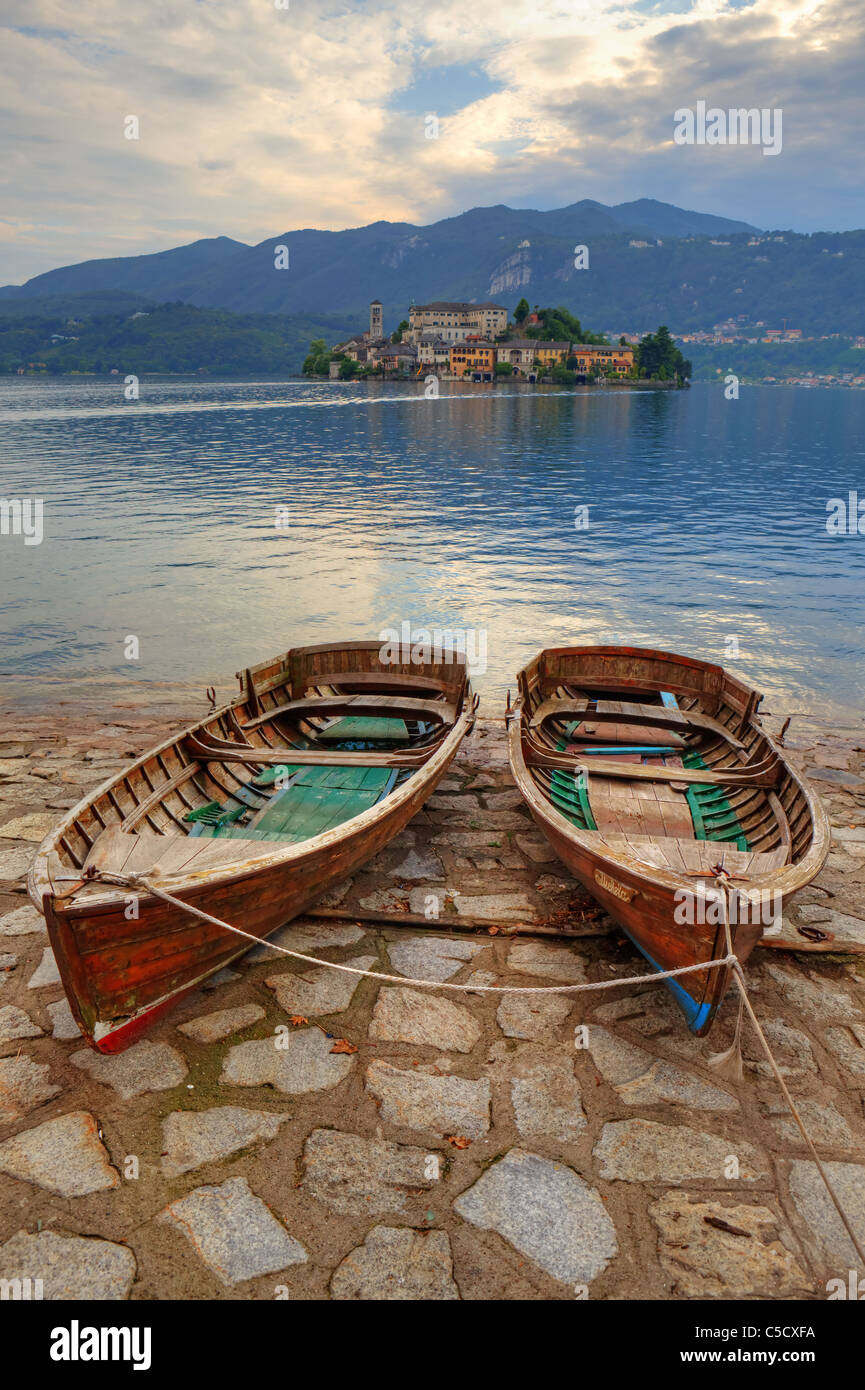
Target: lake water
x,y
706,527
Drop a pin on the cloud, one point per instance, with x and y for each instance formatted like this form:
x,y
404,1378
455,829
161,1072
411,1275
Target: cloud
x,y
254,119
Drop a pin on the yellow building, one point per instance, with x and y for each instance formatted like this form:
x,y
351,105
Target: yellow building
x,y
618,360
548,354
456,320
472,357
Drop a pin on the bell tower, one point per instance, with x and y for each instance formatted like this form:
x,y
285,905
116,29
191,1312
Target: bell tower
x,y
376,328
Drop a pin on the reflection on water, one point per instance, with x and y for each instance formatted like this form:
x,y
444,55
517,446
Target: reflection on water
x,y
706,525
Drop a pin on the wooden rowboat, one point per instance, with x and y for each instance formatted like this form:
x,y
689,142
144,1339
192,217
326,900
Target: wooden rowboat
x,y
648,773
250,816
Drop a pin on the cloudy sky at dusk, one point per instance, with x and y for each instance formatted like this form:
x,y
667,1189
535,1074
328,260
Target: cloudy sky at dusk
x,y
255,120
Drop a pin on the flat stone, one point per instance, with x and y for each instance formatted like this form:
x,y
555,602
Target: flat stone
x,y
369,1177
22,921
234,1232
848,1045
385,900
824,1123
337,896
641,1079
705,1261
13,767
545,1096
428,900
290,1062
826,1236
306,937
64,1025
849,832
496,907
816,999
14,1023
417,867
463,801
34,826
432,957
547,1212
792,1050
504,801
193,1137
396,1263
146,1066
538,1017
534,847
412,1016
23,1086
211,1028
15,861
643,1151
441,1104
558,963
46,972
70,1267
319,991
63,1155
835,775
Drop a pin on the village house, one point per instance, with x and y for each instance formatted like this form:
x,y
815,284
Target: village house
x,y
520,352
618,359
473,356
548,354
398,357
456,320
433,351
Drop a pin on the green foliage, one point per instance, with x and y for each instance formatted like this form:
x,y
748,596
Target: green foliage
x,y
504,369
560,326
171,338
522,311
658,358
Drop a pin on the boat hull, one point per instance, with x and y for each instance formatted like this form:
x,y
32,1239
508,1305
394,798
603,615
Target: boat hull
x,y
645,896
125,955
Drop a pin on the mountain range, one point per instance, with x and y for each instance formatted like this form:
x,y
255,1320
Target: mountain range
x,y
649,262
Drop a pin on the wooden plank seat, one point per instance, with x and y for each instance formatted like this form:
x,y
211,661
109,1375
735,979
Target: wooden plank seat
x,y
621,712
348,682
694,857
393,706
208,749
766,773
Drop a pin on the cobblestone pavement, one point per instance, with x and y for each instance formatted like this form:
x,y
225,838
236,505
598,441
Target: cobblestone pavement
x,y
464,1146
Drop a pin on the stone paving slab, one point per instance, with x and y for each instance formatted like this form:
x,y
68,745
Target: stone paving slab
x,y
233,1232
395,1263
64,1155
69,1266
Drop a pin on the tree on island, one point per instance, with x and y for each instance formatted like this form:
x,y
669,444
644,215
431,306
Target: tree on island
x,y
396,335
658,358
560,326
521,312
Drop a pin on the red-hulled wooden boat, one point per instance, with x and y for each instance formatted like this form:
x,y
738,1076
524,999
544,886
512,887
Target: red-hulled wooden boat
x,y
250,815
648,772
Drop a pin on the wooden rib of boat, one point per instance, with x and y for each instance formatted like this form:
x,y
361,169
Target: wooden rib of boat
x,y
647,771
250,815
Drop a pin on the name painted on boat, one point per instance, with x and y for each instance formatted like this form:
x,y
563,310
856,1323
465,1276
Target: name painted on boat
x,y
612,885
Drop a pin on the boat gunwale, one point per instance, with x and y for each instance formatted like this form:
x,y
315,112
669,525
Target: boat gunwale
x,y
40,881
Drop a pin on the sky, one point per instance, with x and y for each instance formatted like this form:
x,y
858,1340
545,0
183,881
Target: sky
x,y
258,117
